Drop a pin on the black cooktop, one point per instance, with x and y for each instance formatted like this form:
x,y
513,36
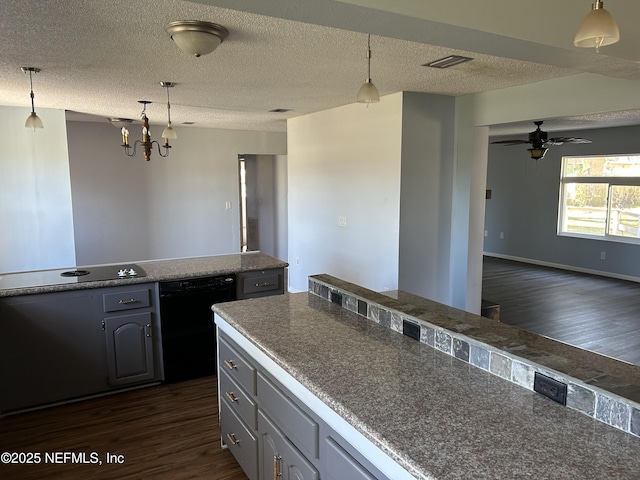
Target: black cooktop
x,y
41,278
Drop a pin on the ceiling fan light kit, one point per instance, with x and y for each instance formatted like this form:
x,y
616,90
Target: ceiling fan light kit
x,y
540,142
196,37
597,29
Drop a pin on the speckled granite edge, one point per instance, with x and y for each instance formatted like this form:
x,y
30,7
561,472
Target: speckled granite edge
x,y
165,270
516,363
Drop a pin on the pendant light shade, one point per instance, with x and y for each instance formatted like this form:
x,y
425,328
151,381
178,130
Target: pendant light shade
x,y
368,92
33,120
597,29
195,37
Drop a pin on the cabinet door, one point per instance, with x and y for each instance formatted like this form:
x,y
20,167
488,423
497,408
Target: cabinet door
x,y
51,349
129,348
279,459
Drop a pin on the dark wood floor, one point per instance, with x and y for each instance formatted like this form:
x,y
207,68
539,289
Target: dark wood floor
x,y
162,432
592,312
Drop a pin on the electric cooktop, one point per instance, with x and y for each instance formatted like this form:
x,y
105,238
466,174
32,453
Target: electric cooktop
x,y
41,278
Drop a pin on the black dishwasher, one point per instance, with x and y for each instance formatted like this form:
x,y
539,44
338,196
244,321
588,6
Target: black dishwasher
x,y
188,331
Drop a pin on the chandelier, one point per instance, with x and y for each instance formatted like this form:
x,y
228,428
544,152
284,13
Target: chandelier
x,y
146,144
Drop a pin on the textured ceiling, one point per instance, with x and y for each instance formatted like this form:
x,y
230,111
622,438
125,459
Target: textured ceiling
x,y
100,57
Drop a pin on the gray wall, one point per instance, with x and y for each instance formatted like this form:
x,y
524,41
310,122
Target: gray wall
x,y
425,202
126,209
524,205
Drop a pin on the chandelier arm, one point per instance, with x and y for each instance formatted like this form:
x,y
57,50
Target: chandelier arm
x,y
130,150
165,147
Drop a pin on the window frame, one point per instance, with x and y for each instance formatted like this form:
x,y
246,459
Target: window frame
x,y
612,181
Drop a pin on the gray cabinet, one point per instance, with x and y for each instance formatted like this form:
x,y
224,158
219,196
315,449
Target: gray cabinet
x,y
279,459
129,348
130,327
273,435
65,345
51,349
260,283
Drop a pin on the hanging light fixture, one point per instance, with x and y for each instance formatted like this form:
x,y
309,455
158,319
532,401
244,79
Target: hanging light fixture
x,y
597,29
196,37
168,133
368,92
33,120
146,143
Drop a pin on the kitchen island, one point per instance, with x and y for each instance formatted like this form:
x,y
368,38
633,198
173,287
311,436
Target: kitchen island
x,y
412,410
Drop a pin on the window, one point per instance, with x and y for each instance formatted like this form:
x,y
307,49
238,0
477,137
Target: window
x,y
600,198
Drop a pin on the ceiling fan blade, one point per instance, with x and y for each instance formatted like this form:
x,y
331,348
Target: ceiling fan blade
x,y
511,142
561,140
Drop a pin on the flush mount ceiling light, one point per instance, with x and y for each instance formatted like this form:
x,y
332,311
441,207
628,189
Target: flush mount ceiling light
x,y
196,37
120,122
146,143
368,92
597,29
33,120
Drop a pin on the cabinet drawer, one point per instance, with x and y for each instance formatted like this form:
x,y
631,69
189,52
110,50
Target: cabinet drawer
x,y
340,464
258,284
236,366
126,300
238,400
242,443
298,426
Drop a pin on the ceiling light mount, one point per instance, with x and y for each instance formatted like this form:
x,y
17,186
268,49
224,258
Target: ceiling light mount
x,y
597,29
196,37
33,120
368,92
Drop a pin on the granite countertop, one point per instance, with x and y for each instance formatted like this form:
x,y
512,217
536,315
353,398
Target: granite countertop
x,y
164,270
436,416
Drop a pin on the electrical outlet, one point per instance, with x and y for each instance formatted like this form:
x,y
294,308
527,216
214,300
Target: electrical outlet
x,y
547,386
603,255
411,329
486,233
501,235
342,221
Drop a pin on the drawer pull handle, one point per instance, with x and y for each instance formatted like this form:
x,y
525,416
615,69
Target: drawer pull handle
x,y
229,364
232,438
232,398
264,284
127,302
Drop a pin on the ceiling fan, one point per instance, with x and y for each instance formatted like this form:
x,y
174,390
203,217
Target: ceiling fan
x,y
540,143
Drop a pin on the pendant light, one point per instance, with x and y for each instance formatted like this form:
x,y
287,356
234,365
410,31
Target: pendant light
x,y
33,120
368,92
597,29
168,133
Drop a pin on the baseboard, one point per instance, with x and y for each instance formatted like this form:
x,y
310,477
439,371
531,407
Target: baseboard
x,y
563,267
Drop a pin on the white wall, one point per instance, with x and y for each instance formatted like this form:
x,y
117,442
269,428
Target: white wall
x,y
36,225
126,209
346,162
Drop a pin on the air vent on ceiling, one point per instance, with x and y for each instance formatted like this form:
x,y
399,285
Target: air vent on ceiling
x,y
188,123
280,110
447,62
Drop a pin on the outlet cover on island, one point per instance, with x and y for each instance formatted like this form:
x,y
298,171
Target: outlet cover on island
x,y
342,221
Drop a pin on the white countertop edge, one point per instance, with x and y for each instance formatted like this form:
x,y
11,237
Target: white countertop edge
x,y
371,452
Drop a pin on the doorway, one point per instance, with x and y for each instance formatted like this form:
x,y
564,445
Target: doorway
x,y
263,204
